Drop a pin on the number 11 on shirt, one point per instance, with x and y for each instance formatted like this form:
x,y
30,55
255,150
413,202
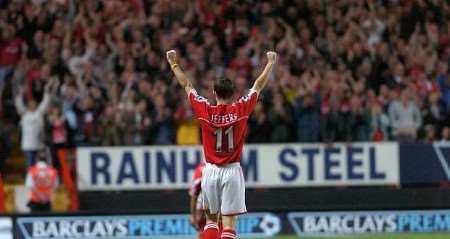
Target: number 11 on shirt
x,y
229,133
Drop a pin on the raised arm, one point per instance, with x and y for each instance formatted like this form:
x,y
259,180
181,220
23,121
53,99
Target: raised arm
x,y
50,88
182,79
20,106
262,79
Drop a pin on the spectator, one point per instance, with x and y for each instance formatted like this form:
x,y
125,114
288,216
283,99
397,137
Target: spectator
x,y
331,121
379,124
433,111
430,134
58,133
5,147
32,124
308,117
142,123
12,48
188,127
110,126
260,128
280,117
405,117
41,181
358,121
444,84
445,134
88,117
162,127
108,55
397,77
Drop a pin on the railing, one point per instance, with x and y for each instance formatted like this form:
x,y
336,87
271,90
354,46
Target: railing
x,y
67,176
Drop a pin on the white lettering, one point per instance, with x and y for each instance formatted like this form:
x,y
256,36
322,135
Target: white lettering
x,y
74,228
391,223
99,229
224,119
64,229
122,228
379,221
310,224
85,226
39,229
52,230
335,224
346,221
109,225
368,225
322,224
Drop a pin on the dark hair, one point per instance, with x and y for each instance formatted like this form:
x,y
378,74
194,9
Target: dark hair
x,y
224,88
41,156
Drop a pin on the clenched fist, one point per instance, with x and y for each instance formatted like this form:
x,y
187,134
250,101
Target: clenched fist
x,y
171,57
271,56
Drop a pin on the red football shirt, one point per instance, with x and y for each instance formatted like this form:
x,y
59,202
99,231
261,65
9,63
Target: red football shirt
x,y
10,52
196,186
224,127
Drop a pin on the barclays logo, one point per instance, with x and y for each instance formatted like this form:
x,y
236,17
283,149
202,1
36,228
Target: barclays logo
x,y
341,223
136,227
369,222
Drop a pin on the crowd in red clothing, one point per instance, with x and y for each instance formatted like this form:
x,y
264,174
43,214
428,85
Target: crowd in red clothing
x,y
348,70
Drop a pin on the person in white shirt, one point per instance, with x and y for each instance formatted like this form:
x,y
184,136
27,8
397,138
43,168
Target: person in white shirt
x,y
405,117
32,123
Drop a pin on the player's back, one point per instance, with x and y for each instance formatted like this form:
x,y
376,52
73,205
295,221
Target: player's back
x,y
223,126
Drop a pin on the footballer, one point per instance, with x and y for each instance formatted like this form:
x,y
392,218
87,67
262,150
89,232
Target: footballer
x,y
224,127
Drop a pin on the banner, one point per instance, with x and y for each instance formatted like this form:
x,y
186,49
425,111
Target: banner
x,y
6,228
425,163
286,165
258,225
368,222
252,225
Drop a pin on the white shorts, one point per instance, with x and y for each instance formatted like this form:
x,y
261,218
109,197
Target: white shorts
x,y
223,189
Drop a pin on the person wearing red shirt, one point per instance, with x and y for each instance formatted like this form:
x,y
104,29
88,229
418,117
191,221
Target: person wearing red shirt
x,y
241,64
11,50
224,129
198,219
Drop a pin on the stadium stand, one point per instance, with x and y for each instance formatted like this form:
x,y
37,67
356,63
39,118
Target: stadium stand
x,y
76,73
343,66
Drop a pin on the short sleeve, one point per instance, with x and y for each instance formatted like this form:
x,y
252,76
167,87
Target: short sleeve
x,y
248,102
199,104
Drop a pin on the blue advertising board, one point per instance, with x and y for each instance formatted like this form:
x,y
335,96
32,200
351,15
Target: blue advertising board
x,y
259,225
6,228
424,163
369,222
252,225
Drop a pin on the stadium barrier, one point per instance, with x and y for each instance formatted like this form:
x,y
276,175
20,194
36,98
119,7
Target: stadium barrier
x,y
254,225
155,179
264,166
6,228
268,166
67,179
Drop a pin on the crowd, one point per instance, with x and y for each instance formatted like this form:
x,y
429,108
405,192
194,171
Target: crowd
x,y
93,72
